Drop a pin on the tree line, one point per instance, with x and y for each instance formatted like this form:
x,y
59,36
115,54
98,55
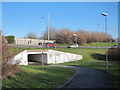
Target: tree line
x,y
65,36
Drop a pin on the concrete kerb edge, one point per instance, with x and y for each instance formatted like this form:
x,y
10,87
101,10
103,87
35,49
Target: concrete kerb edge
x,y
62,86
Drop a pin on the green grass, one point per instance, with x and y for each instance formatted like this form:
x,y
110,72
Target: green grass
x,y
101,44
61,44
39,77
95,44
14,51
95,58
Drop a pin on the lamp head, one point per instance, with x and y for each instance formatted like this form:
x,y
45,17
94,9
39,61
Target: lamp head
x,y
74,35
104,14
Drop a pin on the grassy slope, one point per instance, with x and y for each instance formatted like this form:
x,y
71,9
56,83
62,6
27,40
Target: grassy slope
x,y
101,44
95,44
61,44
39,77
95,58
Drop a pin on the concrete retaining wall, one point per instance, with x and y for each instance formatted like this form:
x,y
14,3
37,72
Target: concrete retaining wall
x,y
49,57
20,58
61,57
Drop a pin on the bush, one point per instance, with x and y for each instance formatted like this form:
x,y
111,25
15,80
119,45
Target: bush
x,y
10,39
114,54
8,69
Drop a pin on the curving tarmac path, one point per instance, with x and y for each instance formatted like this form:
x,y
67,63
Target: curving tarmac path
x,y
87,78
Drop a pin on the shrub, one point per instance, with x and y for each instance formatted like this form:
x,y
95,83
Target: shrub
x,y
114,54
10,39
8,69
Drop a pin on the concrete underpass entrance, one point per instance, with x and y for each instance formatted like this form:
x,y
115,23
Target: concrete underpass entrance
x,y
37,59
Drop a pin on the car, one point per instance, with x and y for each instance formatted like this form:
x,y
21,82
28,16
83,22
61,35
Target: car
x,y
50,45
73,45
115,46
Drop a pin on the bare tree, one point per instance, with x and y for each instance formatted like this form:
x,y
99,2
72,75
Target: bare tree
x,y
66,36
31,35
52,33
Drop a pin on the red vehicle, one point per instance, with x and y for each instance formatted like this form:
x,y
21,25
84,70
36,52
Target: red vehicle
x,y
50,45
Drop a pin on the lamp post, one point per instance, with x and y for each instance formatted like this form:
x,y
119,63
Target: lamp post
x,y
76,37
76,43
42,42
105,14
48,27
42,31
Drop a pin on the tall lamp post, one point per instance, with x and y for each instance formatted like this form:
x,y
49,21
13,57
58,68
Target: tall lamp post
x,y
42,32
76,43
42,42
76,37
48,27
105,14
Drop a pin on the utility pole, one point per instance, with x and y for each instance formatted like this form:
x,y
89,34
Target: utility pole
x,y
42,42
48,27
42,32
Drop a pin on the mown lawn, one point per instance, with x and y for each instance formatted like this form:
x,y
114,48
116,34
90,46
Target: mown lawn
x,y
94,44
95,58
39,77
61,44
101,44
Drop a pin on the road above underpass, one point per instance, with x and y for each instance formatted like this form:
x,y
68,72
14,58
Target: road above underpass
x,y
38,46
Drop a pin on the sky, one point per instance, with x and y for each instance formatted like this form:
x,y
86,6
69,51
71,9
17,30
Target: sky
x,y
20,18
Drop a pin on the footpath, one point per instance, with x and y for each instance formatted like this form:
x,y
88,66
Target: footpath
x,y
87,78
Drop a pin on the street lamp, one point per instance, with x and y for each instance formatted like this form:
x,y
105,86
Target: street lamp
x,y
76,44
42,42
48,27
105,14
76,37
42,31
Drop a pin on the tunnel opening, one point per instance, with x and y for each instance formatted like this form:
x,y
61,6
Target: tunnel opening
x,y
37,59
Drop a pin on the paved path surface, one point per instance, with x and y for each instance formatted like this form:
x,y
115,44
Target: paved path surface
x,y
87,78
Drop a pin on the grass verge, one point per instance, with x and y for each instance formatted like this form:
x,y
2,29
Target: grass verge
x,y
39,77
101,44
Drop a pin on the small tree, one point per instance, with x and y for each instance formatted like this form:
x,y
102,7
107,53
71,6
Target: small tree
x,y
10,39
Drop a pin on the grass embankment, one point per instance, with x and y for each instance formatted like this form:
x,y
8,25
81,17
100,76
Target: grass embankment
x,y
39,77
95,58
101,44
61,44
94,44
14,51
